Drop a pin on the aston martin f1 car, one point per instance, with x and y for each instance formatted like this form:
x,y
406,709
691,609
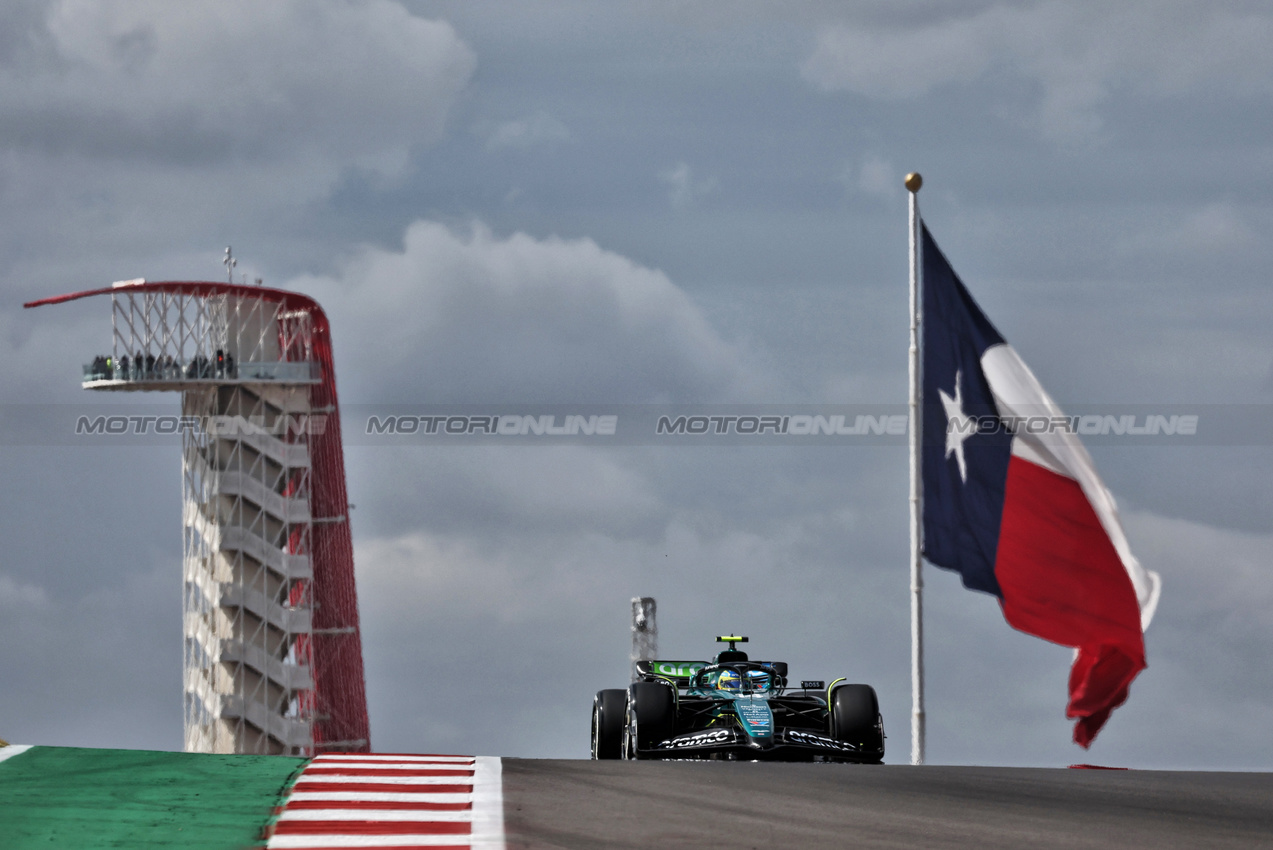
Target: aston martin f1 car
x,y
735,709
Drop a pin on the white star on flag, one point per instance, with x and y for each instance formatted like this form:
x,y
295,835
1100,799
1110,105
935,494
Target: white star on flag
x,y
958,427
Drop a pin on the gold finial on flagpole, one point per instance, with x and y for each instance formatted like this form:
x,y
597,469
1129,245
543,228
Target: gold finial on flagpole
x,y
914,181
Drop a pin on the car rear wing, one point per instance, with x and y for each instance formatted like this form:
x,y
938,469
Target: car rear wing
x,y
680,672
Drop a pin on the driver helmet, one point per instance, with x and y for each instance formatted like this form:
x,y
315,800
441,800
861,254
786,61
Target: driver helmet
x,y
729,681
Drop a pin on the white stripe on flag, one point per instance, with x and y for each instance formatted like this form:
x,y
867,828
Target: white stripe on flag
x,y
1018,392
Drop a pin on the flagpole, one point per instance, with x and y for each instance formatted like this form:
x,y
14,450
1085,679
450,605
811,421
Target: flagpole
x,y
913,183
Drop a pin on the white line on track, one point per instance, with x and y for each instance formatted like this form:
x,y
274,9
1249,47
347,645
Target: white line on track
x,y
13,750
488,804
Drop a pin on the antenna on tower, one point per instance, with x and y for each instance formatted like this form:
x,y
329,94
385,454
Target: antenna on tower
x,y
645,630
229,262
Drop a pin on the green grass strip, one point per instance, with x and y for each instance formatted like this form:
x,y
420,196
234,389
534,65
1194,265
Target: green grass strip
x,y
63,797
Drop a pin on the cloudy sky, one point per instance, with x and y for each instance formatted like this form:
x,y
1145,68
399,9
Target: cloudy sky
x,y
631,204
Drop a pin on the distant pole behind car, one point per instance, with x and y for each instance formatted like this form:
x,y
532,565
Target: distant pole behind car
x,y
645,631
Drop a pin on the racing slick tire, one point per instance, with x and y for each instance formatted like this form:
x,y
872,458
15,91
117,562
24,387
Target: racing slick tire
x,y
608,709
650,716
855,719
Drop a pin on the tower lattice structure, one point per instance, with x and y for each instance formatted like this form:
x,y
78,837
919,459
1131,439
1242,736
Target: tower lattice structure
x,y
272,648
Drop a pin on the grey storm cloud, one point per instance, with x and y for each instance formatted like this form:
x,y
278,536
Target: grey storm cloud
x,y
194,83
523,319
1075,54
132,125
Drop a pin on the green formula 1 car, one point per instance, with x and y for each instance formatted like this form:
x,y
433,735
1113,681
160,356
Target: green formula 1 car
x,y
738,709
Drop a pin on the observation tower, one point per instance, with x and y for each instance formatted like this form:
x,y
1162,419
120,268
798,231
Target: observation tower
x,y
272,650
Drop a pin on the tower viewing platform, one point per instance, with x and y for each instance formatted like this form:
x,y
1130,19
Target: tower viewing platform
x,y
272,652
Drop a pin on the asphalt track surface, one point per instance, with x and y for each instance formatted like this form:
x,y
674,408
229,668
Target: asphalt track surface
x,y
582,804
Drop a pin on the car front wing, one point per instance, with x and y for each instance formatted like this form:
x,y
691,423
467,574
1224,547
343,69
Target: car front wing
x,y
729,743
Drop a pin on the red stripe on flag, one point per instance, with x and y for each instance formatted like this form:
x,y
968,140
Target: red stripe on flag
x,y
1063,581
383,787
382,771
374,804
371,827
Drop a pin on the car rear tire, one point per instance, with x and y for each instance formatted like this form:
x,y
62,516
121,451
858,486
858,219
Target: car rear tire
x,y
608,708
651,716
855,719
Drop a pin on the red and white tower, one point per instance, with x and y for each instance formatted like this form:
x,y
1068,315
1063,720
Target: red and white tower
x,y
273,653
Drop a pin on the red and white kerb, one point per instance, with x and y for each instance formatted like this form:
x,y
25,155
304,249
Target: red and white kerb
x,y
393,801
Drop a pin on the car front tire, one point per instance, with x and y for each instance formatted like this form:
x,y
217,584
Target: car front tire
x,y
651,716
609,708
855,719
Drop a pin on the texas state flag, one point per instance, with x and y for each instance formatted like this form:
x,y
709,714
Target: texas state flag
x,y
1013,503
